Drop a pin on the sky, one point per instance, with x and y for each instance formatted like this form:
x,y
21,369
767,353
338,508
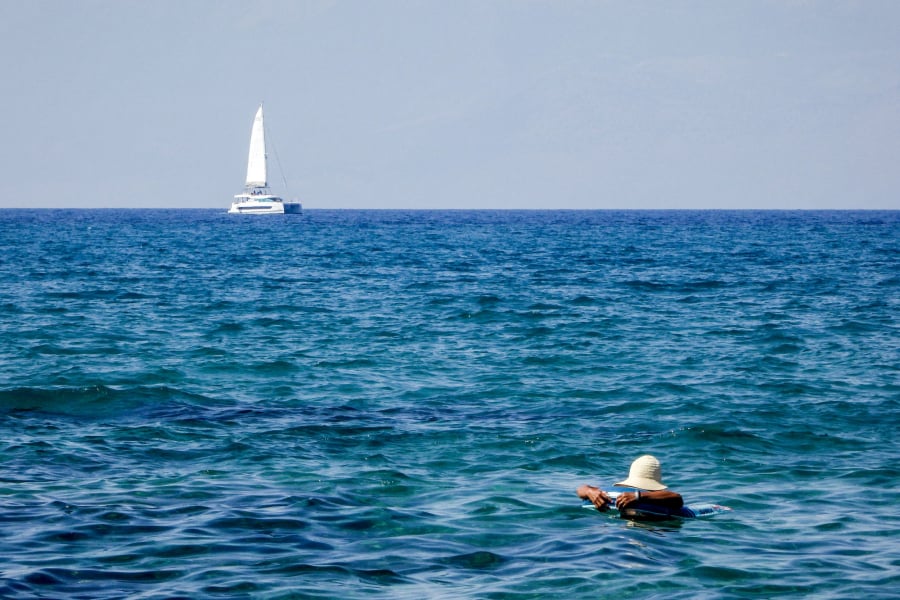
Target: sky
x,y
434,104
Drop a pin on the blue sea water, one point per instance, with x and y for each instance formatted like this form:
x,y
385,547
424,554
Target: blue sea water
x,y
365,404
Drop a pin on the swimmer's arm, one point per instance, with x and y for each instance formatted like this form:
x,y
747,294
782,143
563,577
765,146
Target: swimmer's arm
x,y
664,498
597,496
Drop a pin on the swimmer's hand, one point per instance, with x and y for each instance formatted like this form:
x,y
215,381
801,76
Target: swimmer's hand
x,y
625,500
597,496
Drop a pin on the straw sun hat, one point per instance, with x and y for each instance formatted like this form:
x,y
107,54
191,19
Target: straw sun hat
x,y
645,474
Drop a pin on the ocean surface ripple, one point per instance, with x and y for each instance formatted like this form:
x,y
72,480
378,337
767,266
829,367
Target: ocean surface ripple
x,y
364,404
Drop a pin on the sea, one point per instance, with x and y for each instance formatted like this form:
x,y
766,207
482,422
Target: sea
x,y
401,404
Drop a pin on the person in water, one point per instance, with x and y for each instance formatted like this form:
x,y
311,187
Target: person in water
x,y
645,478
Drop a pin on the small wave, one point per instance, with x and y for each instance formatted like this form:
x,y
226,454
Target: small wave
x,y
681,287
99,401
488,300
883,478
132,296
8,308
543,306
227,327
779,337
56,350
546,360
666,388
479,560
84,295
236,523
733,331
857,327
276,367
208,351
378,576
786,349
708,284
584,301
646,286
351,363
793,388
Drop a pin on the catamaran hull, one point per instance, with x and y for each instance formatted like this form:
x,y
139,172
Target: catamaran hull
x,y
265,208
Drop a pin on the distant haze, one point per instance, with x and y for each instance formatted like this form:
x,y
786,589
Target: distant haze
x,y
454,104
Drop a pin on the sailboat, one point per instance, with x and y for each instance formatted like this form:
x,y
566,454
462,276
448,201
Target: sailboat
x,y
256,199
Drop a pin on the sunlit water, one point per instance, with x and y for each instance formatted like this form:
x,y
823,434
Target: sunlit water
x,y
401,404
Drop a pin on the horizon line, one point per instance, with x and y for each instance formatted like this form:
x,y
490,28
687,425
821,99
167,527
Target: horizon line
x,y
320,208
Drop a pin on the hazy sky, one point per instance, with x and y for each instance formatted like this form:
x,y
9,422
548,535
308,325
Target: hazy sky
x,y
454,104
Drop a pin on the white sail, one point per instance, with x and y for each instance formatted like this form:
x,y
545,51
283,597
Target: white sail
x,y
257,199
256,162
